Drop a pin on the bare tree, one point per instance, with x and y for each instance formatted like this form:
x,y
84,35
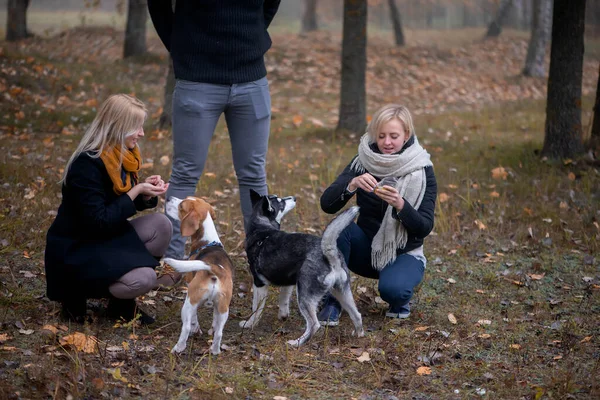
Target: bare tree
x,y
397,23
541,30
165,117
354,63
563,136
135,31
309,18
495,28
16,20
595,139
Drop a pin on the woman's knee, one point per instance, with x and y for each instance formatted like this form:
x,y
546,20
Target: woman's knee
x,y
394,291
134,283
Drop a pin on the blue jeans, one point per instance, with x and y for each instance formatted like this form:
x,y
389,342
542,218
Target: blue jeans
x,y
197,108
397,280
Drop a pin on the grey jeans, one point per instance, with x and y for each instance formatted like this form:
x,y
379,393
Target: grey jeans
x,y
197,108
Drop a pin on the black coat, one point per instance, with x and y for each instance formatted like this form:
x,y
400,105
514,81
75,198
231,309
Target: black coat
x,y
418,222
91,244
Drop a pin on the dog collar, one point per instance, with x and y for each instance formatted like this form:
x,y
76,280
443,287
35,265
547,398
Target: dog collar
x,y
211,244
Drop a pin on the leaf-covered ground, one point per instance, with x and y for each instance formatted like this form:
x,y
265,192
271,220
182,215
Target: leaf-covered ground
x,y
510,305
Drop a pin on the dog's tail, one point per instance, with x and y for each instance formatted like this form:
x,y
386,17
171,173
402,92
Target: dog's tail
x,y
332,232
184,266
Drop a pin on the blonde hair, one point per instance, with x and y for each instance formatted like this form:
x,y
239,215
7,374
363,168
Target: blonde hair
x,y
386,114
119,116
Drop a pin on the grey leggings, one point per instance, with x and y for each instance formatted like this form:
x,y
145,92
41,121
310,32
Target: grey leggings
x,y
197,108
155,232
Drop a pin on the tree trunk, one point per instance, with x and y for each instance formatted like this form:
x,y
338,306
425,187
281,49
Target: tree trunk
x,y
595,138
563,138
165,118
495,28
397,23
309,18
135,32
16,20
354,62
541,30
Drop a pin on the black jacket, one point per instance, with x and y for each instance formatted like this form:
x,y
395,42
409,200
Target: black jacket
x,y
418,222
91,244
215,41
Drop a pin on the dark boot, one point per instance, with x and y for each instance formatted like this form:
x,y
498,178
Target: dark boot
x,y
74,309
126,309
330,312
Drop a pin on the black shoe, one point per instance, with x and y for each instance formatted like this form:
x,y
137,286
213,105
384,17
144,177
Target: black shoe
x,y
74,310
127,309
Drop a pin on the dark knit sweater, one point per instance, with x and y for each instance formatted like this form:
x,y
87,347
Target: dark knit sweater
x,y
215,41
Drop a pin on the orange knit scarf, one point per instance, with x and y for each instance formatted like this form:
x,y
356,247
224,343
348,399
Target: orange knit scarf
x,y
131,163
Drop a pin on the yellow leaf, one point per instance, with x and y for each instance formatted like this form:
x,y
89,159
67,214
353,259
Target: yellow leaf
x,y
563,205
480,291
117,375
571,176
4,337
210,175
229,390
424,371
443,197
164,160
515,346
485,336
479,224
81,342
586,339
494,194
313,177
556,358
421,328
452,319
484,322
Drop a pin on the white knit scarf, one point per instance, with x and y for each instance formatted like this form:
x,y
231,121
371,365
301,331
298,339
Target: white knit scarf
x,y
408,168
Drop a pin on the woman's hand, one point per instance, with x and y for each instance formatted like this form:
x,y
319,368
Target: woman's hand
x,y
147,190
156,181
366,182
391,196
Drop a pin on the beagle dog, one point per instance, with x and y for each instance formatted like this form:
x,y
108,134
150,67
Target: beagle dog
x,y
209,271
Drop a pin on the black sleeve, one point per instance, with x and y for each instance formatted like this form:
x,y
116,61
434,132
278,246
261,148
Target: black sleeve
x,y
141,204
161,13
337,195
419,223
84,181
270,8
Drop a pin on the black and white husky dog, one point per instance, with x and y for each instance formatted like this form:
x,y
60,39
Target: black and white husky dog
x,y
313,264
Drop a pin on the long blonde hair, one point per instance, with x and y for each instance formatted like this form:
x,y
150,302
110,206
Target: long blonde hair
x,y
119,116
386,114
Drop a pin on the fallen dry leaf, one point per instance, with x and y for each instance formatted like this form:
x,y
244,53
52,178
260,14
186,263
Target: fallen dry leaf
x,y
452,319
515,346
364,357
4,337
81,342
536,277
499,173
424,371
443,197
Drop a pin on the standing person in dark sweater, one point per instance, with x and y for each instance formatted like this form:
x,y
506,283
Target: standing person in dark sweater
x,y
392,177
218,51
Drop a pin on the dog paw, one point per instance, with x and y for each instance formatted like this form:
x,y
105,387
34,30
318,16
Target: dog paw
x,y
196,329
283,315
215,350
294,343
359,333
246,324
211,331
178,348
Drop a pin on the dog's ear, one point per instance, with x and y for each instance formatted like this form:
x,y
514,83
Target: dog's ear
x,y
255,196
190,223
267,205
